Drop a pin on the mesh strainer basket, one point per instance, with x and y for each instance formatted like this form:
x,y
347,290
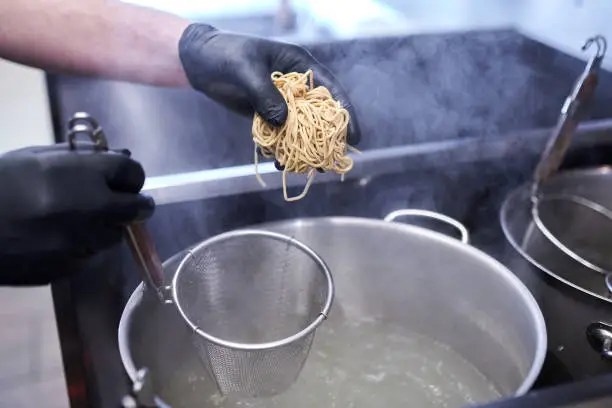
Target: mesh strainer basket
x,y
254,300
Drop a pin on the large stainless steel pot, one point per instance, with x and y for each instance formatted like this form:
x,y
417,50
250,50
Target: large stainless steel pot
x,y
573,297
418,317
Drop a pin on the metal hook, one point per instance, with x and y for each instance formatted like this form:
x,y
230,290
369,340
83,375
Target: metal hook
x,y
82,122
571,113
600,42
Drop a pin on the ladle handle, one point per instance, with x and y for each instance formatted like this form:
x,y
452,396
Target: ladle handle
x,y
555,149
571,113
138,238
145,254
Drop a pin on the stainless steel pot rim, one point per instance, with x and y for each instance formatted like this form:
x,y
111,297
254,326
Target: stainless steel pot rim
x,y
311,327
525,188
540,326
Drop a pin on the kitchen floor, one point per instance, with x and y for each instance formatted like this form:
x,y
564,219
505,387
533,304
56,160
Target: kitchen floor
x,y
31,372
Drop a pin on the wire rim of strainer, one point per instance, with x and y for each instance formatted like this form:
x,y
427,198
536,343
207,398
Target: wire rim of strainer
x,y
271,344
536,200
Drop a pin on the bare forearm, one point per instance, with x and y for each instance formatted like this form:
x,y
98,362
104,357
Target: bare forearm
x,y
93,37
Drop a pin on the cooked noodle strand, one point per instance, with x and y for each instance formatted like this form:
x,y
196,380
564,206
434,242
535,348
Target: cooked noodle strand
x,y
313,136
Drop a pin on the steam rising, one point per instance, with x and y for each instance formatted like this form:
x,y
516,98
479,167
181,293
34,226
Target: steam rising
x,y
406,90
431,87
417,89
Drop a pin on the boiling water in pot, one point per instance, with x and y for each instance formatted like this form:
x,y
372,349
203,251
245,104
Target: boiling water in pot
x,y
370,352
368,363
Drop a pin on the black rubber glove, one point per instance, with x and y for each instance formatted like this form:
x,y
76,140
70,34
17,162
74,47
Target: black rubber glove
x,y
235,70
58,205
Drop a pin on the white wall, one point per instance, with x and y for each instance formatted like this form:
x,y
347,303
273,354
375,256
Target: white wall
x,y
24,112
566,24
31,369
563,24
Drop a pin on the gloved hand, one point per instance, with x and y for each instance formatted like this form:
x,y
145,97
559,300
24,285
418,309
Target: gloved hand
x,y
235,70
59,205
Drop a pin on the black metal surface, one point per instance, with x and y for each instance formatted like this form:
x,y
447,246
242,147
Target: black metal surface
x,y
404,89
75,370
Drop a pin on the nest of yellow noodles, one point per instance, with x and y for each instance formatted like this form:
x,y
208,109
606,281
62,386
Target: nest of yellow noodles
x,y
313,136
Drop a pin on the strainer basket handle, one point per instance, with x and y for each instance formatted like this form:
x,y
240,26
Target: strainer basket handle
x,y
572,111
463,232
139,240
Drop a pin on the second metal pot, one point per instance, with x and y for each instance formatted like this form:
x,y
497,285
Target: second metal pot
x,y
575,299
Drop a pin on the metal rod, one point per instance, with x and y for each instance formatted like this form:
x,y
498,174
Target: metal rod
x,y
572,112
205,184
145,254
138,238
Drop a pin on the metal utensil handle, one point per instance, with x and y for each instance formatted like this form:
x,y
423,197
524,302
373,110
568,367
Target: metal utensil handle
x,y
144,252
571,113
138,238
599,336
463,232
555,150
83,123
